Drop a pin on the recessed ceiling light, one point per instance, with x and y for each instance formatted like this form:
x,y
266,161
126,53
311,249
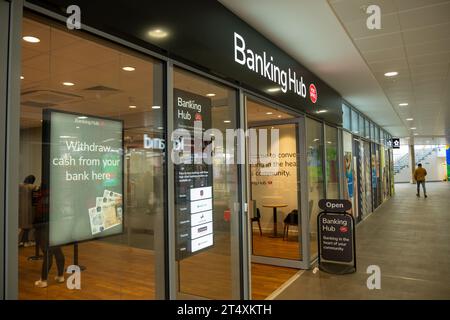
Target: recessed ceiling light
x,y
77,127
31,39
403,104
156,107
128,68
273,89
226,121
416,134
409,119
160,128
279,116
68,84
413,128
132,107
391,74
321,111
269,113
210,94
22,77
158,33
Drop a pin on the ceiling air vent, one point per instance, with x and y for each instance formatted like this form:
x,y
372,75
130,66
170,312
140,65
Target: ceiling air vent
x,y
47,98
99,92
101,88
35,104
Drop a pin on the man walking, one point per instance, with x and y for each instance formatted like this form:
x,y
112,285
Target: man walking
x,y
419,176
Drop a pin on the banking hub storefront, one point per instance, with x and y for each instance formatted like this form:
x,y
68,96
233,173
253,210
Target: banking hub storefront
x,y
100,123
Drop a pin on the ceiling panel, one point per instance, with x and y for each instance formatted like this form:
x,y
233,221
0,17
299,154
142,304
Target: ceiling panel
x,y
389,65
436,68
310,32
440,46
440,57
419,49
394,53
427,34
379,42
425,16
414,4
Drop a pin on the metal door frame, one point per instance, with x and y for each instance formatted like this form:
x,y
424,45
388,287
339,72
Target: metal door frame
x,y
302,197
10,65
240,290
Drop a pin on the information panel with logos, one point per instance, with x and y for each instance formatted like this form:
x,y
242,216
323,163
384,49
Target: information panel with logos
x,y
193,175
83,174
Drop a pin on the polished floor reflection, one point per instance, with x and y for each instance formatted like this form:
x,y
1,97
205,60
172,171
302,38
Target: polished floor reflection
x,y
407,238
103,280
286,248
113,272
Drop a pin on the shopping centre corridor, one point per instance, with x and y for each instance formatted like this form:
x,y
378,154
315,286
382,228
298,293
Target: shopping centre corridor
x,y
408,238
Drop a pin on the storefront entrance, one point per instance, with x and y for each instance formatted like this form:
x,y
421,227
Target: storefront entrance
x,y
276,209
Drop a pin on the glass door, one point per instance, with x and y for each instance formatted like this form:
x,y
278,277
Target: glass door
x,y
205,187
274,176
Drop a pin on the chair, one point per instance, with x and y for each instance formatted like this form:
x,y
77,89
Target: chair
x,y
290,220
256,216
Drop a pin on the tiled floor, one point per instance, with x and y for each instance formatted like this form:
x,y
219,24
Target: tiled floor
x,y
408,238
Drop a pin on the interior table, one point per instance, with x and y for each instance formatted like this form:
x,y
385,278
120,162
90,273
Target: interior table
x,y
275,206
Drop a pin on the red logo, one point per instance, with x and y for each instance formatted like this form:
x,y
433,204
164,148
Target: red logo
x,y
227,215
198,117
313,93
343,229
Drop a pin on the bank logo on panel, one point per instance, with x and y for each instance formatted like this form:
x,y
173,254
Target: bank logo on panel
x,y
313,93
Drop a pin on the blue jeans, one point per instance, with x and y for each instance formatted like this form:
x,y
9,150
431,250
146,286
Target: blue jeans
x,y
423,187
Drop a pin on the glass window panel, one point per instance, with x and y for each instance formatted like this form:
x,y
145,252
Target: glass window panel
x,y
346,117
349,176
367,131
211,272
76,73
332,162
362,130
372,131
355,122
315,144
274,203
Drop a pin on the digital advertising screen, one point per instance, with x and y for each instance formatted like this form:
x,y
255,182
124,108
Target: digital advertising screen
x,y
194,185
83,170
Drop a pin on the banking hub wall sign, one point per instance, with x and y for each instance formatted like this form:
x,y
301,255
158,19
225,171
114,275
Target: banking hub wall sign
x,y
266,66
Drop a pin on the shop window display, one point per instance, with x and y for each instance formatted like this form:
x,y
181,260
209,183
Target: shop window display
x,y
97,201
